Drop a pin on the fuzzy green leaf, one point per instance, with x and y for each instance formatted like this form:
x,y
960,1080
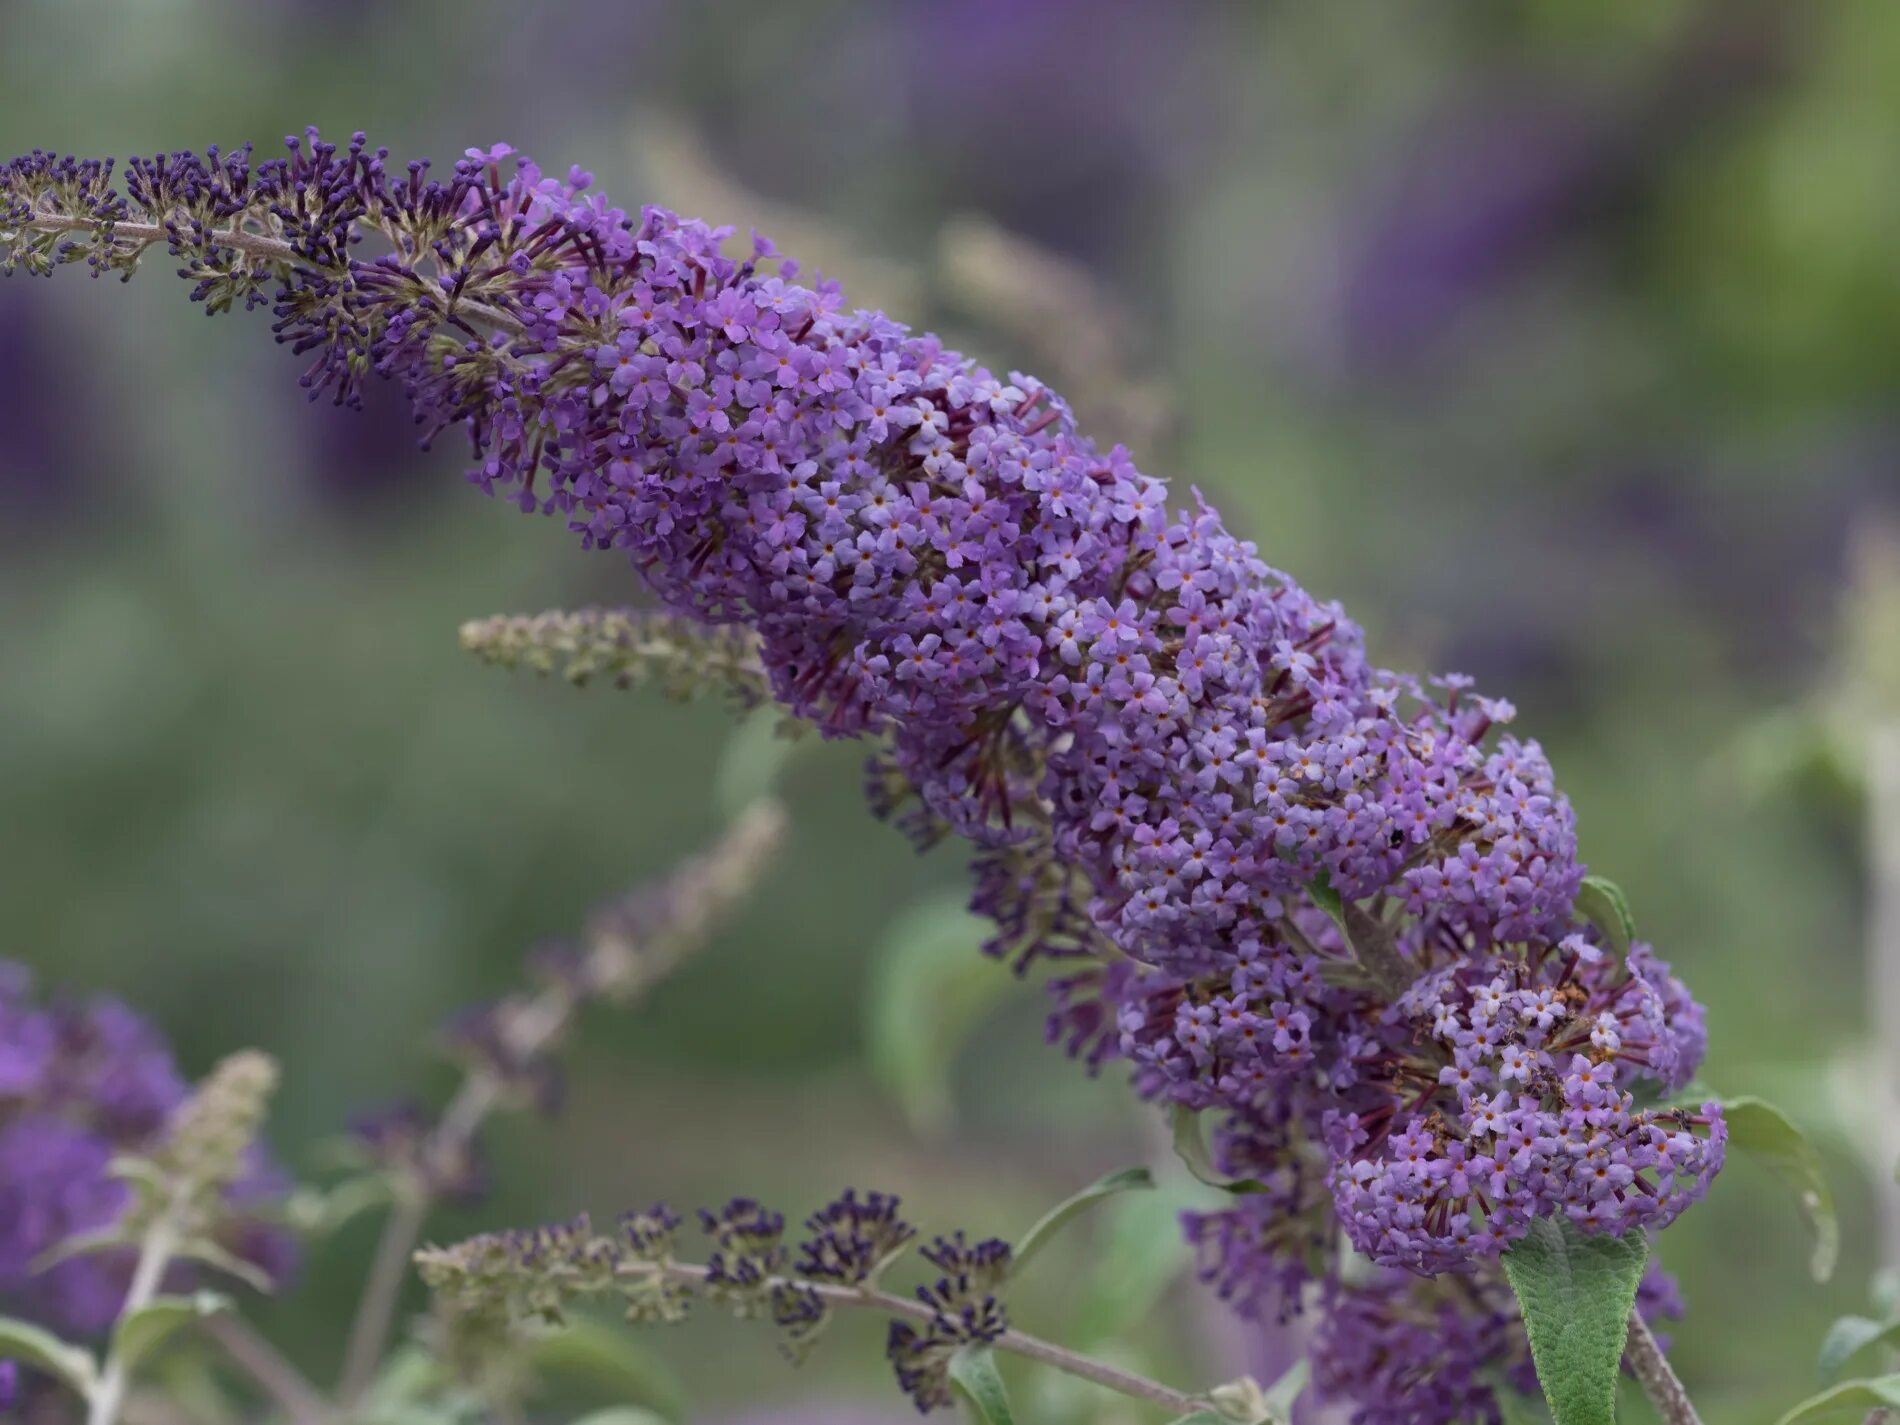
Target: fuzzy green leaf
x,y
151,1326
1602,902
39,1348
622,1415
1064,1212
1765,1133
1576,1293
1859,1396
1190,1146
1851,1335
973,1370
930,986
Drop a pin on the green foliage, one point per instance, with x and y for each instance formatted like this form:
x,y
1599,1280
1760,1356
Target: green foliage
x,y
606,1356
39,1348
1190,1146
1602,902
1851,1335
973,1372
1765,1133
142,1332
1576,1293
1139,1254
1859,1396
1066,1211
929,987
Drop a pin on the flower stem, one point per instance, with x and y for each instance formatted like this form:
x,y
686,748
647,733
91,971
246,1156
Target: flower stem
x,y
275,1376
1016,1342
1658,1379
382,1289
543,1019
155,1254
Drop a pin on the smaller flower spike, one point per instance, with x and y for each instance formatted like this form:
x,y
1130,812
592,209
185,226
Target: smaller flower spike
x,y
627,647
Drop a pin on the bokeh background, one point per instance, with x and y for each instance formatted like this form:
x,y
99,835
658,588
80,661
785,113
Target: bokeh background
x,y
1560,340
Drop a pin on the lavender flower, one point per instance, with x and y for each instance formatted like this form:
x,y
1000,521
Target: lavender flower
x,y
1332,905
81,1084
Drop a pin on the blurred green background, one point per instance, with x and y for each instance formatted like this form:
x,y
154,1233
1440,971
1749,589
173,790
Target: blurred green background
x,y
1560,340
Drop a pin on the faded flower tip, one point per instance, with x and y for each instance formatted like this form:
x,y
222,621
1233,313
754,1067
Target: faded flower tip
x,y
214,1128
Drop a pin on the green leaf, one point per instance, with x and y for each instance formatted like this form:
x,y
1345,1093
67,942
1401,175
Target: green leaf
x,y
1856,1395
222,1259
81,1244
318,1212
1576,1293
409,1376
1320,888
1282,1394
622,1415
930,985
1764,1132
34,1346
1140,1254
1851,1335
1602,902
145,1330
754,758
1190,1146
613,1359
1064,1212
973,1370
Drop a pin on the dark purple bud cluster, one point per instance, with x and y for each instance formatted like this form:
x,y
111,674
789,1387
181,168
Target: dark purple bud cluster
x,y
965,1312
749,1255
400,1138
1332,905
485,1039
487,1283
852,1238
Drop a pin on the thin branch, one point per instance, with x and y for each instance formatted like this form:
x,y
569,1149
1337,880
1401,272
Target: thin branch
x,y
382,1289
1016,1342
448,1145
266,1365
1659,1380
258,245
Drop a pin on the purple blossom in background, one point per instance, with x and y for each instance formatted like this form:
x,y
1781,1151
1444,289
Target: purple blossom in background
x,y
1329,905
44,461
1486,193
80,1084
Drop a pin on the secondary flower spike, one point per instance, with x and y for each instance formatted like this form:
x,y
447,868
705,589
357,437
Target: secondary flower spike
x,y
1332,904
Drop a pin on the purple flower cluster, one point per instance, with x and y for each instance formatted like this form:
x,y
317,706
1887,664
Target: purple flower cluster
x,y
82,1083
1334,906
